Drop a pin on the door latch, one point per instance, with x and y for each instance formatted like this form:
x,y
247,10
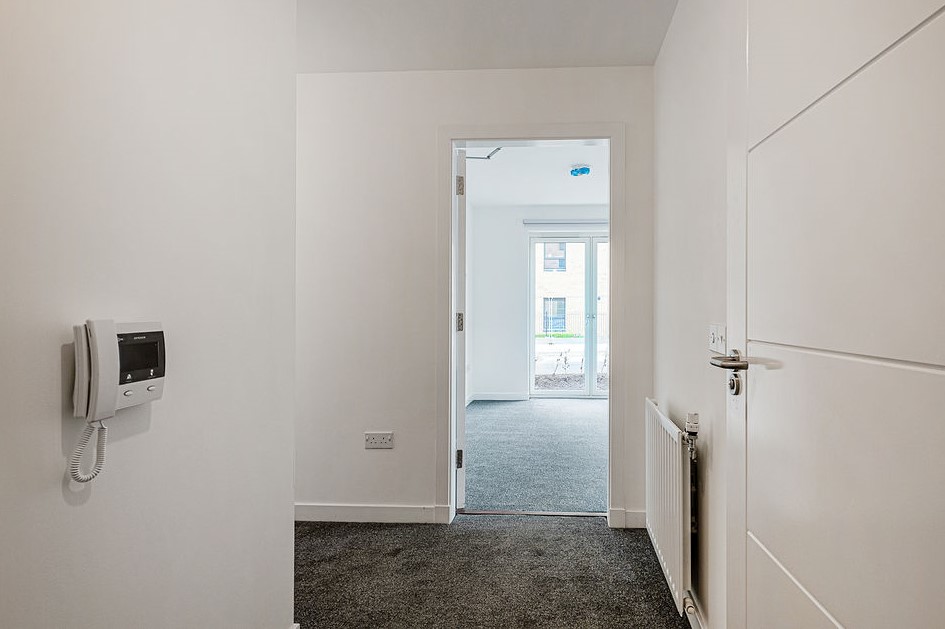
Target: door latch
x,y
734,363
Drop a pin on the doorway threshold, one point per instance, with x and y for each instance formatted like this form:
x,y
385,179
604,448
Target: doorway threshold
x,y
568,514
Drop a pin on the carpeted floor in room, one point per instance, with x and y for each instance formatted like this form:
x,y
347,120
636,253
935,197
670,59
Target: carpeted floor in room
x,y
481,571
537,455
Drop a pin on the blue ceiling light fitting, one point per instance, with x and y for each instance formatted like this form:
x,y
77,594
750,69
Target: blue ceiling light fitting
x,y
580,169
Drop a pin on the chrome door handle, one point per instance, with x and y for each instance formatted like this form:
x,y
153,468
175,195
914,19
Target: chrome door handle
x,y
733,361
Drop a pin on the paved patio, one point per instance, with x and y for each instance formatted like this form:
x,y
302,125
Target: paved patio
x,y
560,364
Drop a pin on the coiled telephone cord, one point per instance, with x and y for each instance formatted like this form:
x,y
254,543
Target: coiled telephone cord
x,y
76,459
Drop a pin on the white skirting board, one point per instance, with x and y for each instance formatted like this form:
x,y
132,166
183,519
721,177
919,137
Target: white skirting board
x,y
496,397
422,514
624,519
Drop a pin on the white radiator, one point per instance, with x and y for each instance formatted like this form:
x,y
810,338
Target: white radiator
x,y
668,501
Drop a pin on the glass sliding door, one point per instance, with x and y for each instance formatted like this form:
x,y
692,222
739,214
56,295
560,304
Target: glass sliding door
x,y
570,299
559,280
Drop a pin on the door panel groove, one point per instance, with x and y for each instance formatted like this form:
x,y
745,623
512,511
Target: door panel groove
x,y
796,583
843,463
851,76
881,360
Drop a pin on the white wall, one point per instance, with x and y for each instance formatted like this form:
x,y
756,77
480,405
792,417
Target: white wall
x,y
368,263
146,172
690,271
497,305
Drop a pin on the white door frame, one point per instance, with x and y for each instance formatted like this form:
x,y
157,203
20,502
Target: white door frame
x,y
736,433
590,238
620,292
458,392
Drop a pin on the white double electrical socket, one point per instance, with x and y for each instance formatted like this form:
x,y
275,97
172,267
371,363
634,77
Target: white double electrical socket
x,y
378,440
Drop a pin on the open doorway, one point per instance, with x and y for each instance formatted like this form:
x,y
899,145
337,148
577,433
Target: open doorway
x,y
535,334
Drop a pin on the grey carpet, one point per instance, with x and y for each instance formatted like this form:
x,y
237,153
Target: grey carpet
x,y
481,571
538,455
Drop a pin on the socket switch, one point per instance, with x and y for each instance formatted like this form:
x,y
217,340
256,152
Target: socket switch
x,y
378,440
717,338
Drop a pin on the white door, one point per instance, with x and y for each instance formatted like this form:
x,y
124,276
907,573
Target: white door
x,y
842,303
458,292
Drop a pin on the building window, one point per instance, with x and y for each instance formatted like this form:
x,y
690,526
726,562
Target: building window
x,y
555,256
554,315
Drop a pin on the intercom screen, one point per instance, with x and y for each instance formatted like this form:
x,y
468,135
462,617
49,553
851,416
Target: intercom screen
x,y
135,356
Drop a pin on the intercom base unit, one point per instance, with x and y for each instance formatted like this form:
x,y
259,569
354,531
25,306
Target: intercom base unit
x,y
116,366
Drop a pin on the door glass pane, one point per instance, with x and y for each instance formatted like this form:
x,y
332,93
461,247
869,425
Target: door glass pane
x,y
559,316
603,316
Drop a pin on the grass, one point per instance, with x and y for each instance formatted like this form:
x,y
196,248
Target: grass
x,y
559,335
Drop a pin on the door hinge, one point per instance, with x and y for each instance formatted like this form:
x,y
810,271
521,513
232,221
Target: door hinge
x,y
460,323
459,459
460,185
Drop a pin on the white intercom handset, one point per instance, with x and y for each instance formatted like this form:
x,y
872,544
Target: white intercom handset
x,y
116,366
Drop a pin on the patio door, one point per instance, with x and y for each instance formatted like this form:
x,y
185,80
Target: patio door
x,y
569,322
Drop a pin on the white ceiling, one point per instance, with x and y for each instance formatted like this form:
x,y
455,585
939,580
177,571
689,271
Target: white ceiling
x,y
382,35
539,175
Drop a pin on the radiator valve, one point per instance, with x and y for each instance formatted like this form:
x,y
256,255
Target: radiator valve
x,y
692,433
692,422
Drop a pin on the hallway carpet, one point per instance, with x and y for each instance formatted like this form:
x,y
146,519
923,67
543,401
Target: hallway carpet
x,y
481,571
538,455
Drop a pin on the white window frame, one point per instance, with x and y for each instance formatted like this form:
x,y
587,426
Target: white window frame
x,y
590,237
